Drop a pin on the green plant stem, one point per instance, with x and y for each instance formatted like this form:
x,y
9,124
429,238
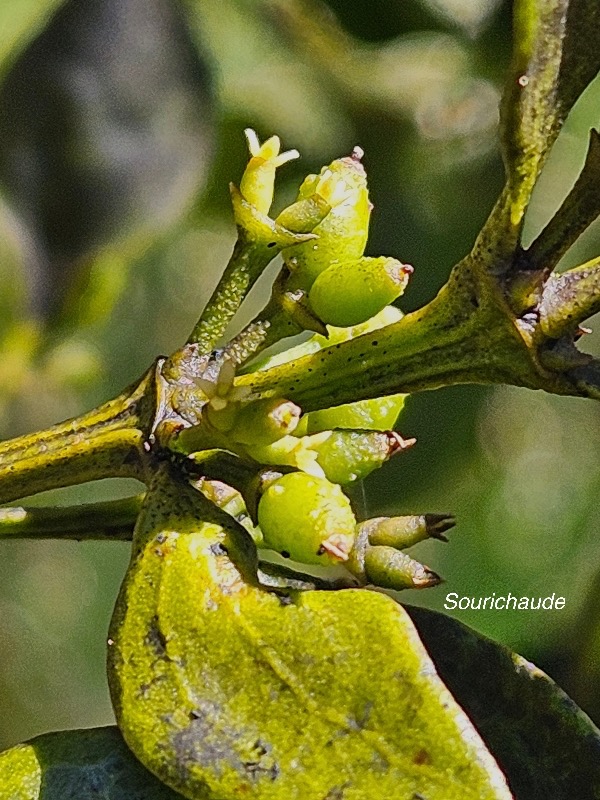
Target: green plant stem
x,y
110,520
466,334
247,263
260,239
114,520
570,298
107,442
241,272
274,325
579,209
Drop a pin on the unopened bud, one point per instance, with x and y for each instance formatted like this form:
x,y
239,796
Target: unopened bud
x,y
258,180
349,293
343,233
347,455
308,519
401,532
389,568
265,421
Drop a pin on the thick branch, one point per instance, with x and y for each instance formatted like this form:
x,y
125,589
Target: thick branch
x,y
467,334
104,443
452,340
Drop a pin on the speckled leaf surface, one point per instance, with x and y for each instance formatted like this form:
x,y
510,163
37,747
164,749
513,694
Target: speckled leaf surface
x,y
226,690
546,745
92,764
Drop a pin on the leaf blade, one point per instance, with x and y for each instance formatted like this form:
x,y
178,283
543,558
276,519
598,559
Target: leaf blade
x,y
78,765
223,688
546,745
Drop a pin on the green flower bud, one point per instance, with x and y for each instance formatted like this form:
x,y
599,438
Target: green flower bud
x,y
264,421
258,180
304,215
379,414
347,456
292,451
388,568
401,532
343,233
350,293
308,519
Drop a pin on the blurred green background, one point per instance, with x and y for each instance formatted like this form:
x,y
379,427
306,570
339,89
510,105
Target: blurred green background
x,y
120,127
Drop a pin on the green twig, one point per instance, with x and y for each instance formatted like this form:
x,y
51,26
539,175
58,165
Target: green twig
x,y
260,239
455,339
107,442
579,209
110,520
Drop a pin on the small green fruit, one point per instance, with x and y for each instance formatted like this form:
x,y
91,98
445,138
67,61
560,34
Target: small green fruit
x,y
380,414
307,518
347,456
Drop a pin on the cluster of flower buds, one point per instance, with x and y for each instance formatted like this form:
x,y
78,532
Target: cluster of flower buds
x,y
310,520
330,277
322,237
291,497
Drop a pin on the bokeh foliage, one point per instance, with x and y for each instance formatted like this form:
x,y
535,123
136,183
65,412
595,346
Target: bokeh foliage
x,y
111,236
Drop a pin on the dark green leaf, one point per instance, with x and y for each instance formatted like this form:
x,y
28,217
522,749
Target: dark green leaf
x,y
546,745
92,764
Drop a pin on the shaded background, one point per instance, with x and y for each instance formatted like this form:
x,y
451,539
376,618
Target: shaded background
x,y
120,126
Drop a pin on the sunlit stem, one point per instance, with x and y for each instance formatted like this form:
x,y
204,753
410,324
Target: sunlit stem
x,y
463,336
569,298
107,442
274,324
110,520
579,209
241,272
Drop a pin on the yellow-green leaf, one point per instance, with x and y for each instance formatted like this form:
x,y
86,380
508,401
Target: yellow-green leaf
x,y
226,690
